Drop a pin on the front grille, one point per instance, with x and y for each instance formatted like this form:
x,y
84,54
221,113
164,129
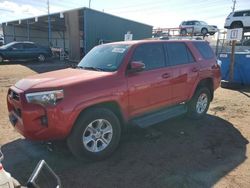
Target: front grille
x,y
14,95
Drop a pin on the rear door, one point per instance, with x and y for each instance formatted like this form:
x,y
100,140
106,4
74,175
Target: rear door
x,y
151,88
185,70
30,51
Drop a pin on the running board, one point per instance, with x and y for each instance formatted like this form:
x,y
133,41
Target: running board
x,y
159,116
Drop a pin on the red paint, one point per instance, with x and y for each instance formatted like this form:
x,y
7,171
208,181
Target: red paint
x,y
135,93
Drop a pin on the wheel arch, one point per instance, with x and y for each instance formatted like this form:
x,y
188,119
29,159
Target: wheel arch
x,y
111,105
235,22
207,82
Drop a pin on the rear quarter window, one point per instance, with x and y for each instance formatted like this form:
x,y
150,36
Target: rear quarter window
x,y
204,49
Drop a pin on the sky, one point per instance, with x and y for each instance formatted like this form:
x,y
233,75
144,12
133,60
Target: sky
x,y
158,13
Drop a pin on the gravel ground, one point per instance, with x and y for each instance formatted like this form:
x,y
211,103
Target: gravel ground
x,y
211,152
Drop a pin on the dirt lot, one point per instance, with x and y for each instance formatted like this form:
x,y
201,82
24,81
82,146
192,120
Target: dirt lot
x,y
212,152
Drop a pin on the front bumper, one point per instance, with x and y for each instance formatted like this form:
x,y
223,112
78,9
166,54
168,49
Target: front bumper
x,y
36,122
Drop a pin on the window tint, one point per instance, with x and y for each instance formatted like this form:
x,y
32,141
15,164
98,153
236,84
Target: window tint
x,y
178,53
28,45
204,49
104,57
17,46
238,14
152,55
247,13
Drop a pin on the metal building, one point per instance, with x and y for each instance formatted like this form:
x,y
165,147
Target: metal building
x,y
75,31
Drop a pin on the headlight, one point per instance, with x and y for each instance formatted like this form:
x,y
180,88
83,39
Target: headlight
x,y
45,98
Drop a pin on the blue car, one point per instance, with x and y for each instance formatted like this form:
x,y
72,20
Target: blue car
x,y
24,51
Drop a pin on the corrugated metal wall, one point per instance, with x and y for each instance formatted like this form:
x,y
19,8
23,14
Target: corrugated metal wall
x,y
40,37
102,26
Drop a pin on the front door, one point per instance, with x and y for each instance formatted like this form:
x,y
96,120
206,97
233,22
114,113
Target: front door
x,y
15,51
149,89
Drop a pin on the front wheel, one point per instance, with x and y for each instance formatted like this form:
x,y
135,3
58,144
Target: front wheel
x,y
199,103
183,32
204,31
95,135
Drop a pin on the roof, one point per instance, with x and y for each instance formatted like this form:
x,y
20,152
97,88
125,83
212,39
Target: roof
x,y
15,22
132,42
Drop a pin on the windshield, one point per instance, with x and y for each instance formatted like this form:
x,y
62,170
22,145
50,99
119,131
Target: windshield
x,y
7,45
104,57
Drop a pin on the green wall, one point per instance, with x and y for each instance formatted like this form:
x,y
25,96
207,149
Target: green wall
x,y
99,25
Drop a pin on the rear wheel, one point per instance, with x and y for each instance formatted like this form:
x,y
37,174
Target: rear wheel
x,y
199,103
95,135
41,57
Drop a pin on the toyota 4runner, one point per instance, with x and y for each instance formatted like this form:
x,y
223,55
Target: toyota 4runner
x,y
136,82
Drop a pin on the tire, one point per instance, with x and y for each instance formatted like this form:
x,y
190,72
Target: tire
x,y
88,139
183,32
1,59
212,33
204,31
199,104
41,57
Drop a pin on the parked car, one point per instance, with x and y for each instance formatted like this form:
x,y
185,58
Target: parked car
x,y
24,51
238,19
133,82
197,28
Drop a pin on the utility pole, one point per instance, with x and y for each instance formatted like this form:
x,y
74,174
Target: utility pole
x,y
89,3
234,3
49,23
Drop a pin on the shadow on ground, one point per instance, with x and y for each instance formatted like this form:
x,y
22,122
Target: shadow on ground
x,y
41,67
176,153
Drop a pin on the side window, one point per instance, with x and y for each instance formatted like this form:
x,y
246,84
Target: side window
x,y
247,13
178,53
204,49
28,45
238,14
152,55
17,46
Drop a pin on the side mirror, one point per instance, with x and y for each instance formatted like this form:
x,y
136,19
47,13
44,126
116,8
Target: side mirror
x,y
136,66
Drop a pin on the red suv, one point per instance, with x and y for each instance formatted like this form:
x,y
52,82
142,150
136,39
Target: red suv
x,y
137,82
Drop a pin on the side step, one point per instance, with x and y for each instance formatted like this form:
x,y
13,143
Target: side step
x,y
159,116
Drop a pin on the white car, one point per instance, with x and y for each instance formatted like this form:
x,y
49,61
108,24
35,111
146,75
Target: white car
x,y
197,28
238,19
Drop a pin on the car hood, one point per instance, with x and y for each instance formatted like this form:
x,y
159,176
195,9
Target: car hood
x,y
59,79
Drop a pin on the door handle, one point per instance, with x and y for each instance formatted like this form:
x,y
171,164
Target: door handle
x,y
195,69
166,75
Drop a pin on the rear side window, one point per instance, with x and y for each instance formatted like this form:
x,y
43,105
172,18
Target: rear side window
x,y
28,45
178,53
152,55
204,49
